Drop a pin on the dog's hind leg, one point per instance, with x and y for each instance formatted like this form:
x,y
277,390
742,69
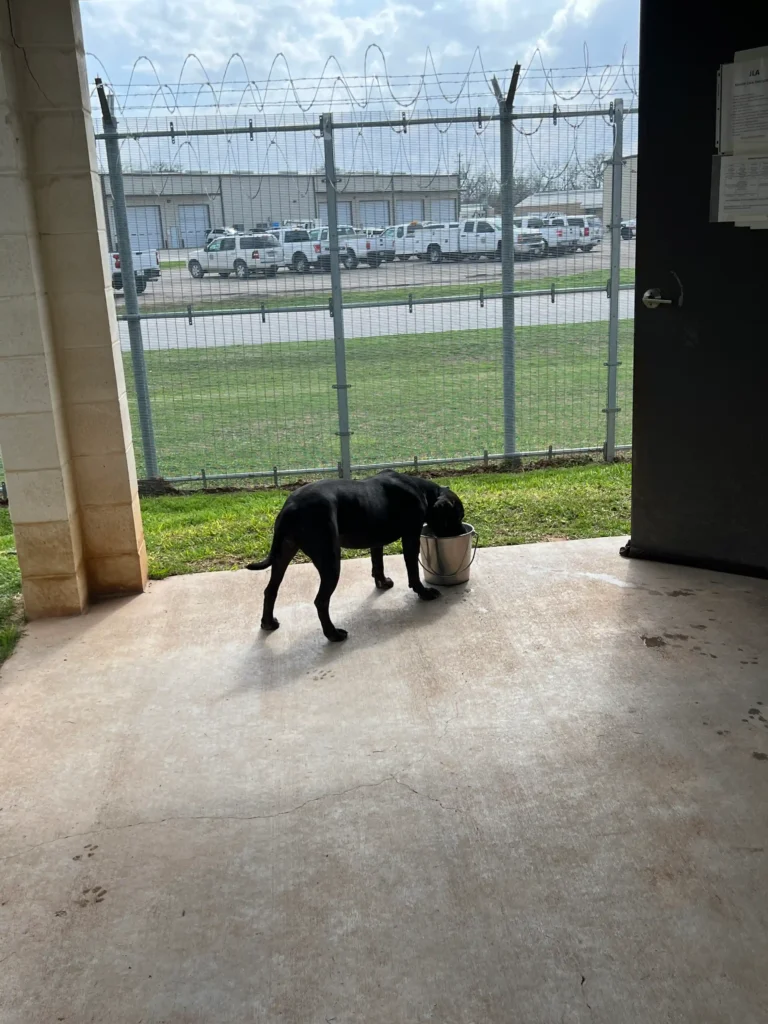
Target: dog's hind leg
x,y
326,557
282,560
377,558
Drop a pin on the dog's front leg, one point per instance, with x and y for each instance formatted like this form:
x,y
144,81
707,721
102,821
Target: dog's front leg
x,y
411,555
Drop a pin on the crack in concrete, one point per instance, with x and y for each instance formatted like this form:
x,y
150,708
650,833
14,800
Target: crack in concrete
x,y
426,796
391,777
449,721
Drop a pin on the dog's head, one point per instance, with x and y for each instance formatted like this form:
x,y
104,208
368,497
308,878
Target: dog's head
x,y
447,514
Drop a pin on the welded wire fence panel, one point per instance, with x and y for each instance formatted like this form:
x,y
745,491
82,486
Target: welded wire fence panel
x,y
228,224
427,380
234,386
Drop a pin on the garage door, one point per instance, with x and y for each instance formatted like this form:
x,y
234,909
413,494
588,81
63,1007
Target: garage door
x,y
344,212
145,227
407,210
374,214
194,222
442,210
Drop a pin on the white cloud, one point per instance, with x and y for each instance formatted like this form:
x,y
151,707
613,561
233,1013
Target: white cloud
x,y
571,14
307,32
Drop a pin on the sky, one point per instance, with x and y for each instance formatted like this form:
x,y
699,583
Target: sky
x,y
362,37
307,32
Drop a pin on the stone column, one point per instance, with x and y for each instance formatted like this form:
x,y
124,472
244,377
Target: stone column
x,y
65,433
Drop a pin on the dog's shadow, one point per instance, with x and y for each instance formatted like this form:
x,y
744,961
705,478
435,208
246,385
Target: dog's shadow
x,y
370,624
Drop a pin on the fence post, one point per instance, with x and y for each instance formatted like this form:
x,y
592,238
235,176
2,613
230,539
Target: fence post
x,y
614,282
341,386
507,196
133,316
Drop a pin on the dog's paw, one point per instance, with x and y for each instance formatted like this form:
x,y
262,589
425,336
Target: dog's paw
x,y
384,583
337,635
428,593
270,624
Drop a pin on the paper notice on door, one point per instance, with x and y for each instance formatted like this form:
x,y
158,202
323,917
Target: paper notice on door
x,y
743,190
749,106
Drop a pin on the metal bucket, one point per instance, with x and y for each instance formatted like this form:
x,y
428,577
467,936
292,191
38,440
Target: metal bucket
x,y
446,560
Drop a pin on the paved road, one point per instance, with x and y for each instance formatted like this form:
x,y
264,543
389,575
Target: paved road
x,y
176,285
214,331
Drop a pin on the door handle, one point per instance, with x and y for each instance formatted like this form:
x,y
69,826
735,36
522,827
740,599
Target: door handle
x,y
652,299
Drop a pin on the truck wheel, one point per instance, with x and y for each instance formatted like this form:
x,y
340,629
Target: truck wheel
x,y
435,254
300,263
241,270
626,234
195,269
349,259
141,285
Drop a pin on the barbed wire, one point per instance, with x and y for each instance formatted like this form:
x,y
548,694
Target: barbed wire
x,y
194,90
236,101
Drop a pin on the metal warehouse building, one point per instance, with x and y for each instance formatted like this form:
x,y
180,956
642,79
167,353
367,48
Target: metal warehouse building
x,y
590,201
174,210
574,201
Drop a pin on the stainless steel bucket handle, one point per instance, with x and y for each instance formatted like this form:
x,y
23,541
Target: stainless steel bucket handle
x,y
462,568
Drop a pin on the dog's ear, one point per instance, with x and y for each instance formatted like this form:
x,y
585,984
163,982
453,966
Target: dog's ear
x,y
458,507
446,515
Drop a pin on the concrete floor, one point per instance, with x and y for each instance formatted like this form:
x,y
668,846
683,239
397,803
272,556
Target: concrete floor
x,y
541,799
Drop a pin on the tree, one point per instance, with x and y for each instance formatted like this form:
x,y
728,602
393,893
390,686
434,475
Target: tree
x,y
162,167
478,187
593,170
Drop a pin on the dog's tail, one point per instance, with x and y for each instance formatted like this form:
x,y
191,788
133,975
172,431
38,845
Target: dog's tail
x,y
277,540
264,564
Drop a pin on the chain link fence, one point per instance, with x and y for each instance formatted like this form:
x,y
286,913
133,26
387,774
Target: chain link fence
x,y
335,293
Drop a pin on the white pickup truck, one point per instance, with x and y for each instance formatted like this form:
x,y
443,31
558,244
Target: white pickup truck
x,y
146,267
466,239
354,246
559,236
298,248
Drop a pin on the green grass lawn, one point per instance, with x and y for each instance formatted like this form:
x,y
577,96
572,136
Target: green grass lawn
x,y
10,589
245,408
172,264
203,532
153,301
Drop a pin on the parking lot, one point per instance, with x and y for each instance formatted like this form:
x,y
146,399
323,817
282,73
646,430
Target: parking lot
x,y
177,289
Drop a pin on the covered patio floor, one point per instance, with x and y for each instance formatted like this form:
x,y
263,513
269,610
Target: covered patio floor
x,y
540,799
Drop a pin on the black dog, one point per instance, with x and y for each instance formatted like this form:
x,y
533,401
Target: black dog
x,y
322,518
